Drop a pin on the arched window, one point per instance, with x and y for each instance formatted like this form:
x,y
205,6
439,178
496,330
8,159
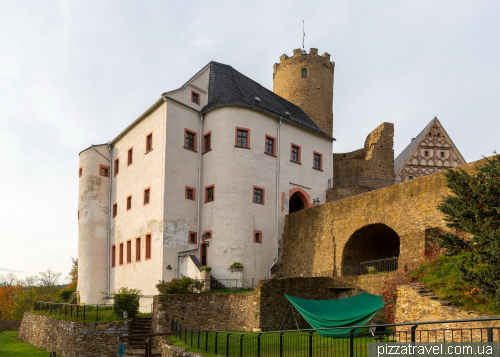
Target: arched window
x,y
304,73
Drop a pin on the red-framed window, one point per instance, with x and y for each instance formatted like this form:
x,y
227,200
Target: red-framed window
x,y
207,142
80,171
192,237
129,203
190,193
138,249
115,210
149,142
117,166
209,193
103,170
121,254
148,246
113,255
317,161
129,251
242,138
147,196
130,156
190,140
257,237
270,145
208,234
295,153
195,97
259,195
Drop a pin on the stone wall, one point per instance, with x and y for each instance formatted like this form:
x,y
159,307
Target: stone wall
x,y
72,338
9,325
413,306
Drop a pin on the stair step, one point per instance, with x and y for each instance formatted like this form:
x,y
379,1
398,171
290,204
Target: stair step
x,y
141,352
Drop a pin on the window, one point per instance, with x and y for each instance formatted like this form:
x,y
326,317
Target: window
x,y
270,147
242,139
207,142
209,193
113,256
80,171
115,210
208,234
189,139
121,254
103,171
130,156
304,73
258,195
129,203
438,135
148,246
129,251
149,142
138,249
410,177
426,153
195,97
192,238
430,134
257,237
442,153
295,154
190,193
147,195
117,166
317,161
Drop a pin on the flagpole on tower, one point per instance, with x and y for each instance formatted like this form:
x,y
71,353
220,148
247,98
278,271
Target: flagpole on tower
x,y
303,34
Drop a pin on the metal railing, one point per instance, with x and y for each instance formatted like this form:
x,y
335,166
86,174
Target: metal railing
x,y
79,312
374,183
368,267
226,285
340,341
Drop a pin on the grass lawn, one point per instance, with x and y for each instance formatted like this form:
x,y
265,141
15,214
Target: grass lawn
x,y
78,314
11,346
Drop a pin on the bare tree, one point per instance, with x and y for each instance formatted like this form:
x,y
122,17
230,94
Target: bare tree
x,y
49,278
30,281
8,279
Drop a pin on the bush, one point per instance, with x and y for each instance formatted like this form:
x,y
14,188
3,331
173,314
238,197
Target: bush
x,y
184,285
67,296
206,268
236,265
126,299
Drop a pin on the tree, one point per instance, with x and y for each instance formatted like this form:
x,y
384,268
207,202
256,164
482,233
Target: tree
x,y
8,279
49,278
472,212
73,274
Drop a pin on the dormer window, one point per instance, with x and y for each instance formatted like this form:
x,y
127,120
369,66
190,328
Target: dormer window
x,y
195,97
304,73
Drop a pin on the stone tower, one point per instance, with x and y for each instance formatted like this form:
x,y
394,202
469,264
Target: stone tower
x,y
307,81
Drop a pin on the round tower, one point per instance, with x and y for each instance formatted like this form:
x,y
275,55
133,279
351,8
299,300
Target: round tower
x,y
306,80
93,212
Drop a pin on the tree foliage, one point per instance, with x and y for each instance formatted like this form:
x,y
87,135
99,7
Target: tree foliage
x,y
73,274
184,285
472,212
126,299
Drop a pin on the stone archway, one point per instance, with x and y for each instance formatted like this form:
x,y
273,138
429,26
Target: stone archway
x,y
371,246
299,200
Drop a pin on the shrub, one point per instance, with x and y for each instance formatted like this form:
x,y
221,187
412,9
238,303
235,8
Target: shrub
x,y
184,285
206,268
236,265
67,296
126,299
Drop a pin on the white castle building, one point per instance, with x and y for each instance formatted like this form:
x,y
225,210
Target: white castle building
x,y
221,157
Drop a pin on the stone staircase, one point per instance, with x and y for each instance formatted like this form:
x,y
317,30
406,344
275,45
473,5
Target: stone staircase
x,y
136,346
424,291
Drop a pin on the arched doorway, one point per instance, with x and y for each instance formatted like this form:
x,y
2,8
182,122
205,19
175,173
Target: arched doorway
x,y
299,200
373,248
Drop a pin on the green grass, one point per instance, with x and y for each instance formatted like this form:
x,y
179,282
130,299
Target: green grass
x,y
106,314
143,314
11,346
443,277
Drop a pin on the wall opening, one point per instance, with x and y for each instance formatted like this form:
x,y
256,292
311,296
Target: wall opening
x,y
373,248
296,203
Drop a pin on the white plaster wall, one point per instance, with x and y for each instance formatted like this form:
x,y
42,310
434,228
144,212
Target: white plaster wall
x,y
188,268
92,225
146,170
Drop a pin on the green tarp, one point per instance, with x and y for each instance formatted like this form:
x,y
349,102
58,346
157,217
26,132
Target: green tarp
x,y
352,311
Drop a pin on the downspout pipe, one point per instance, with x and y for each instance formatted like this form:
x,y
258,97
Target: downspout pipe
x,y
277,199
199,201
110,148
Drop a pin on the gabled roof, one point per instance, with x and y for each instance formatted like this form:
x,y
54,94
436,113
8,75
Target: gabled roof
x,y
228,87
401,159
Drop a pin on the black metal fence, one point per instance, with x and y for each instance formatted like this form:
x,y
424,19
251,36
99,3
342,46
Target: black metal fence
x,y
342,341
368,267
79,312
373,183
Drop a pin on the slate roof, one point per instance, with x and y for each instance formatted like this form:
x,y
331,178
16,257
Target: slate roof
x,y
401,159
228,87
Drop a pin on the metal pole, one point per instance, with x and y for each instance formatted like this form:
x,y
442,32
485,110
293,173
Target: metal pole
x,y
258,344
489,332
215,349
241,346
413,328
281,343
83,312
351,342
97,312
311,343
227,344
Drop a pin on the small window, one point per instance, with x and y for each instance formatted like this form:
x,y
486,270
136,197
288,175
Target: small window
x,y
426,153
115,210
148,246
257,237
209,194
147,196
138,249
192,238
295,155
430,134
304,73
317,161
410,177
129,251
117,166
113,256
207,142
129,203
195,97
190,193
130,156
258,195
104,171
442,153
149,142
242,138
270,148
121,254
438,135
80,171
208,235
189,139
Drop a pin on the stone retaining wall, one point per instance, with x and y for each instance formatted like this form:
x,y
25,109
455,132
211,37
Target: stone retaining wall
x,y
72,338
9,325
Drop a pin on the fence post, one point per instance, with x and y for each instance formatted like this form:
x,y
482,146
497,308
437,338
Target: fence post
x,y
199,338
172,328
215,348
258,344
489,332
191,337
413,328
351,342
51,308
206,342
71,311
227,344
77,308
83,312
281,343
60,309
241,345
97,312
311,343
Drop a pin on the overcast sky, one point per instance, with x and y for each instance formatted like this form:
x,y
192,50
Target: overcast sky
x,y
75,73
